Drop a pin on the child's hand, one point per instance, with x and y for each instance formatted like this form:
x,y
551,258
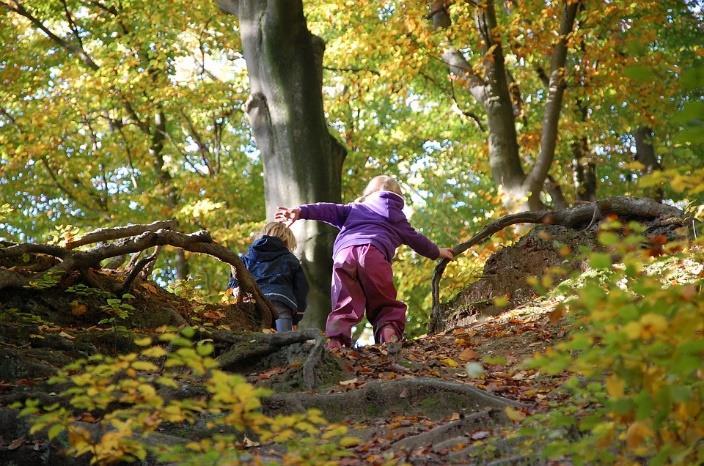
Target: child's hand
x,y
287,216
446,253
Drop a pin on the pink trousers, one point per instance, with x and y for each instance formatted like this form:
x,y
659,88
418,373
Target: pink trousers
x,y
362,280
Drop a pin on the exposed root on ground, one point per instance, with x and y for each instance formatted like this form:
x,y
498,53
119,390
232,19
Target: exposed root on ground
x,y
412,395
246,348
452,430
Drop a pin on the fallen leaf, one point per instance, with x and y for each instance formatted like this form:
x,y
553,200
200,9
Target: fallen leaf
x,y
468,354
213,315
449,362
247,443
16,443
514,414
479,435
556,315
78,309
348,382
636,434
455,417
66,335
149,287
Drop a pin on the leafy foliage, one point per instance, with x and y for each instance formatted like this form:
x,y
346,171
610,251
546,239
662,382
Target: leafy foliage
x,y
635,353
127,399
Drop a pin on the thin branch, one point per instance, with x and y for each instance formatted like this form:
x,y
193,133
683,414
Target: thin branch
x,y
134,272
543,76
202,145
72,25
351,69
69,47
61,187
128,151
467,113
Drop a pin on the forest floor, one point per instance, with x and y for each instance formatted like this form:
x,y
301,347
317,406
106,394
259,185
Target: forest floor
x,y
487,354
452,397
435,399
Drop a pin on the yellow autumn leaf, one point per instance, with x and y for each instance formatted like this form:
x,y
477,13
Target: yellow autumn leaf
x,y
501,301
514,414
615,386
652,324
143,341
637,433
349,442
449,362
632,330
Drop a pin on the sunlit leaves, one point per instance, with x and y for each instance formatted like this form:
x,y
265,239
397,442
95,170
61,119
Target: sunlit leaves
x,y
127,397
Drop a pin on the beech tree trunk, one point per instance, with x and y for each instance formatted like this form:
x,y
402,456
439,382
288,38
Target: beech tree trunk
x,y
645,154
584,171
520,189
302,161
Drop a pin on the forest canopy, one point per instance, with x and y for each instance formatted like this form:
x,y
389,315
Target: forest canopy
x,y
124,112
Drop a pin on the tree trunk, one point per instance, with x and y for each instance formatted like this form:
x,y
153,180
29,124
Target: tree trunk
x,y
584,171
553,107
519,190
302,161
645,154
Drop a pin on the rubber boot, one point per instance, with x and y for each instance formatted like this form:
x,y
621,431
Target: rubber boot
x,y
333,344
284,325
388,335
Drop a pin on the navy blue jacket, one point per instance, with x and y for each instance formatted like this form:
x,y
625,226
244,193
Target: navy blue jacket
x,y
277,272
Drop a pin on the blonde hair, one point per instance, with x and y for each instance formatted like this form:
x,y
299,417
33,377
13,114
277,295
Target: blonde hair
x,y
281,231
381,183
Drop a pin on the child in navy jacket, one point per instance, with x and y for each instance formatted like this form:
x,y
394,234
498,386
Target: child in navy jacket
x,y
278,274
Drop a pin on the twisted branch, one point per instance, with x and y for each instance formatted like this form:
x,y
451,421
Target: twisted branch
x,y
574,217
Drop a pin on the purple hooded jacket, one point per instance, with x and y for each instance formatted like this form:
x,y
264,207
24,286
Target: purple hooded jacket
x,y
378,220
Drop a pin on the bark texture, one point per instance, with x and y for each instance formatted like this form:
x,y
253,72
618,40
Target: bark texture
x,y
520,189
302,160
645,154
584,171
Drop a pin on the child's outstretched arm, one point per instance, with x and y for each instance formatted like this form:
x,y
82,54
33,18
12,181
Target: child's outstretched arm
x,y
328,212
422,245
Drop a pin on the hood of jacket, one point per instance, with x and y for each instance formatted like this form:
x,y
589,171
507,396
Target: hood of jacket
x,y
387,204
266,249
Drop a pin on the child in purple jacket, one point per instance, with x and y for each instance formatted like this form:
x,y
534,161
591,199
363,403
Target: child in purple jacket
x,y
370,231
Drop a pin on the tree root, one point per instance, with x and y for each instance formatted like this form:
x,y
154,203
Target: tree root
x,y
312,361
574,217
247,347
428,396
452,430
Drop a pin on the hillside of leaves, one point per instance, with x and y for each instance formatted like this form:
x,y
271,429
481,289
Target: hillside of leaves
x,y
91,376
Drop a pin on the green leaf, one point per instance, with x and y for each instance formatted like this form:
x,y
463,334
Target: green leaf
x,y
600,260
55,430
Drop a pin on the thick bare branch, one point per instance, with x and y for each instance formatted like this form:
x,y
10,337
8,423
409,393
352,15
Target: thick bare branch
x,y
574,217
199,242
108,234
